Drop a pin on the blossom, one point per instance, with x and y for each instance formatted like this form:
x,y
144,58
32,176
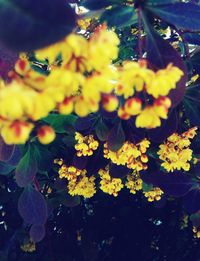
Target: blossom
x,y
154,194
78,182
175,152
132,78
16,132
164,80
131,155
103,48
86,145
134,183
109,185
110,102
46,134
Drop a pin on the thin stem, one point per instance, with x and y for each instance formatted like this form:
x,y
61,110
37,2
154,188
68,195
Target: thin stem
x,y
185,44
139,32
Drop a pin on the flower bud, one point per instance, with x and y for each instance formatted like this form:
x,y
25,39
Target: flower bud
x,y
110,102
46,134
66,107
163,101
16,132
133,106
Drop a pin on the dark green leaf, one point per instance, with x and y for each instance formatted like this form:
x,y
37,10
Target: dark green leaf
x,y
183,15
192,104
32,206
98,4
37,233
29,25
5,168
119,16
192,201
6,151
26,168
160,53
61,123
116,137
159,2
101,130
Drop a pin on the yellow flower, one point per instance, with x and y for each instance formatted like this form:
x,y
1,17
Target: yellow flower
x,y
133,77
28,247
84,186
46,134
16,132
86,145
154,194
103,48
16,101
164,80
130,155
150,117
134,183
133,106
109,185
66,107
110,102
175,152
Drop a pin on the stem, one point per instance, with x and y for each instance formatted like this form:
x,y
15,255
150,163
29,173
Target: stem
x,y
139,32
185,44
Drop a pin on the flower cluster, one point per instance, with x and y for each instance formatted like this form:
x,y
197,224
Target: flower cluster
x,y
154,194
151,88
86,145
131,155
175,152
78,183
134,183
81,78
109,185
196,232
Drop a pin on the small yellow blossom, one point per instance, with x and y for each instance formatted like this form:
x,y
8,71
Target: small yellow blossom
x,y
78,183
109,185
175,152
84,186
28,247
130,155
16,132
86,145
196,232
154,194
164,80
110,102
134,183
46,134
103,48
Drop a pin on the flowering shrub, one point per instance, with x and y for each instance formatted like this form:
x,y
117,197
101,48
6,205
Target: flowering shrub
x,y
98,97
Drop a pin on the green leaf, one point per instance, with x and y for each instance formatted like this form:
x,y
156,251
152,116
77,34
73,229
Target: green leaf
x,y
159,2
98,4
6,151
116,137
119,16
5,168
37,233
159,54
146,187
101,130
26,168
192,105
61,123
32,206
184,16
29,25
